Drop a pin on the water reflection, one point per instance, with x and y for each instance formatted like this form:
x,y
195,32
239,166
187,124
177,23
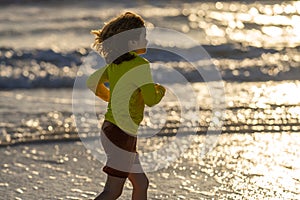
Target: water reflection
x,y
260,24
268,25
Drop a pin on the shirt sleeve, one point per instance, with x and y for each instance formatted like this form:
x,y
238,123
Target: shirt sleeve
x,y
151,94
96,81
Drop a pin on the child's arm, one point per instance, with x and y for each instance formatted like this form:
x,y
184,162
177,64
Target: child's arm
x,y
152,93
103,92
96,83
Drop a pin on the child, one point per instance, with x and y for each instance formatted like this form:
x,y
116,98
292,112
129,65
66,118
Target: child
x,y
131,87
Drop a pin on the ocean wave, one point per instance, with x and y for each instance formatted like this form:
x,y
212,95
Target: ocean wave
x,y
36,68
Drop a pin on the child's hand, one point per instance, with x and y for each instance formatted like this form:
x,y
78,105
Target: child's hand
x,y
160,89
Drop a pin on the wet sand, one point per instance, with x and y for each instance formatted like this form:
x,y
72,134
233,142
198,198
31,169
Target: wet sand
x,y
240,166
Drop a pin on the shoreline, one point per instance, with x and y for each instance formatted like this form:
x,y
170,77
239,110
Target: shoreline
x,y
73,138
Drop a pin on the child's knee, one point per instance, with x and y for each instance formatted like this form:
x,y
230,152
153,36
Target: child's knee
x,y
146,182
143,183
139,181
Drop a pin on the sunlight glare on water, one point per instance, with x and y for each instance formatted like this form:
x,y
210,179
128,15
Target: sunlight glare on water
x,y
273,25
285,93
252,23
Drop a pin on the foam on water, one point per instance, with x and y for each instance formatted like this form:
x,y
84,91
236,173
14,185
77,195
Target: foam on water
x,y
50,69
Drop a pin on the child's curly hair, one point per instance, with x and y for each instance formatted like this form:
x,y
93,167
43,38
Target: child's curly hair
x,y
113,50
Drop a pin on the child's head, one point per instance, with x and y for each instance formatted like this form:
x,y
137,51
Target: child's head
x,y
116,48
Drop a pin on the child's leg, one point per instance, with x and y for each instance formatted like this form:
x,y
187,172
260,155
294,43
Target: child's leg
x,y
113,188
140,185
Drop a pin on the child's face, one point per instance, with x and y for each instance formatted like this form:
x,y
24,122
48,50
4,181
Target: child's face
x,y
141,44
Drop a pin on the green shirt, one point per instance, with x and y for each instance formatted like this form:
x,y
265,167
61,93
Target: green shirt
x,y
131,87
